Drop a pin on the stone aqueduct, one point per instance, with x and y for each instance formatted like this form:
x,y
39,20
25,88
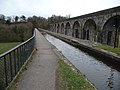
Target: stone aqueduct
x,y
102,26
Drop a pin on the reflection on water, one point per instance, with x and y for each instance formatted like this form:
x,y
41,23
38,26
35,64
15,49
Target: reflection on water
x,y
105,76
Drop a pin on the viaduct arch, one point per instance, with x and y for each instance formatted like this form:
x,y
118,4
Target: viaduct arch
x,y
62,28
89,30
67,29
76,30
111,30
102,26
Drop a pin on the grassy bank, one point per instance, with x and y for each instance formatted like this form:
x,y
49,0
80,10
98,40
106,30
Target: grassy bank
x,y
109,48
7,46
69,79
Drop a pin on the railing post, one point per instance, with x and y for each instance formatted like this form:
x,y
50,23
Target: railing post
x,y
18,59
10,66
15,62
23,53
6,79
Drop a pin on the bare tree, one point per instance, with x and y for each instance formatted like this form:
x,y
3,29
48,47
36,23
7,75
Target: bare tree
x,y
2,18
23,18
8,21
16,18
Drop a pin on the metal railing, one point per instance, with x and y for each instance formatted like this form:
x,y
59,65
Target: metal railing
x,y
12,60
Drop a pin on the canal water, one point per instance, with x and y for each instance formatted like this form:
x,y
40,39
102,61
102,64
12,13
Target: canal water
x,y
104,75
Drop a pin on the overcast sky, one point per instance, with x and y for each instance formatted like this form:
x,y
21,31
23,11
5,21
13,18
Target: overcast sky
x,y
46,8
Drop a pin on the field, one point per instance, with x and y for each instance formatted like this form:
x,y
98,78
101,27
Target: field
x,y
7,46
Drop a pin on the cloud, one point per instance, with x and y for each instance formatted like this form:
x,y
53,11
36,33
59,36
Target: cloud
x,y
46,8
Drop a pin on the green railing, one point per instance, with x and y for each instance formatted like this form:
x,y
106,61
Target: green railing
x,y
12,61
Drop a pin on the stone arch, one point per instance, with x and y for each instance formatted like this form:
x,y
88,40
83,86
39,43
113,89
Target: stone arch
x,y
52,27
76,29
89,30
67,28
58,28
55,28
111,31
62,28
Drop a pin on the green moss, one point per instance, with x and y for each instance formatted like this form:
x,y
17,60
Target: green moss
x,y
7,46
69,79
109,48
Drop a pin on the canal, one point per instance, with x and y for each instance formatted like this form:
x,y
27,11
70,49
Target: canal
x,y
102,73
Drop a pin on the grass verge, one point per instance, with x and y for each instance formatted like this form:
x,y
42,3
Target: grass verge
x,y
109,48
7,46
69,79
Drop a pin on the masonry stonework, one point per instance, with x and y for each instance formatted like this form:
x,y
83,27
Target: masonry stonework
x,y
102,26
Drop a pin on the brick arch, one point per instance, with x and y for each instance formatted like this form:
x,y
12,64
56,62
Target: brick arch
x,y
67,28
76,29
89,30
110,31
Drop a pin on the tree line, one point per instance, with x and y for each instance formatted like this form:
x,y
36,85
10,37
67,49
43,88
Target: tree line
x,y
37,21
15,30
20,28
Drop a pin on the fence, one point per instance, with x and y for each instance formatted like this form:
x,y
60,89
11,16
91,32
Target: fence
x,y
12,60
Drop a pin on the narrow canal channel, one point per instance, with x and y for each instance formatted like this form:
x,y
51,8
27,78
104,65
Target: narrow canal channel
x,y
104,75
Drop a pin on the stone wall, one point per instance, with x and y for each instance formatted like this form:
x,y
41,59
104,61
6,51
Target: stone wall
x,y
102,26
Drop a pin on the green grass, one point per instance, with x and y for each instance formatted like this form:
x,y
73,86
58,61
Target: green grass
x,y
7,46
109,48
69,79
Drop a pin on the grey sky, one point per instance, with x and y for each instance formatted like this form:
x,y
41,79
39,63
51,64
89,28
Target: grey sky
x,y
46,8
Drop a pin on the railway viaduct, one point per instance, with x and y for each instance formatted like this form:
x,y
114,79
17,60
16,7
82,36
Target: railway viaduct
x,y
102,26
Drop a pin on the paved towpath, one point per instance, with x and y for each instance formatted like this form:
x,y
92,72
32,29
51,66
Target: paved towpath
x,y
41,74
81,41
